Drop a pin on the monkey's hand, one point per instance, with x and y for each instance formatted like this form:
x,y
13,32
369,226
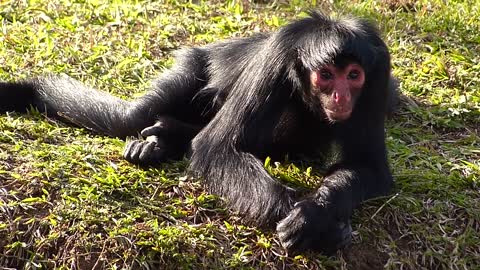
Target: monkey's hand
x,y
167,138
148,151
312,226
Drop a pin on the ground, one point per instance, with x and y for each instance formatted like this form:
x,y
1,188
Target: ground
x,y
69,201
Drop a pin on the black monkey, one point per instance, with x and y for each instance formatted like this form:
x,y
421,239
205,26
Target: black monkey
x,y
315,83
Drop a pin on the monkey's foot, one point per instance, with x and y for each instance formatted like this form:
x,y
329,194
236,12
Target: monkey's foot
x,y
150,151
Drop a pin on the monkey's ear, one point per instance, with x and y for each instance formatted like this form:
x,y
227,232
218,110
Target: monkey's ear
x,y
379,55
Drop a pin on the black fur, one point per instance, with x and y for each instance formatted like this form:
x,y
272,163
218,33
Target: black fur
x,y
235,102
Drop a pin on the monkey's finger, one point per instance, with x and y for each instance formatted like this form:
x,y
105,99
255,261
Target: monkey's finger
x,y
146,152
294,241
128,149
157,129
154,139
135,152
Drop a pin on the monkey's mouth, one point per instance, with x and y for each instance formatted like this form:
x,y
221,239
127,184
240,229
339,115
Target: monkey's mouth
x,y
338,115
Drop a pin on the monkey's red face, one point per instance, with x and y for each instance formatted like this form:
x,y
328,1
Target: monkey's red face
x,y
338,89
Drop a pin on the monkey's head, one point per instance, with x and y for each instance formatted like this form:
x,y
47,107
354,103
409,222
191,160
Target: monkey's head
x,y
334,63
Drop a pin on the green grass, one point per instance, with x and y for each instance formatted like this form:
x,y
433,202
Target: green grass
x,y
69,201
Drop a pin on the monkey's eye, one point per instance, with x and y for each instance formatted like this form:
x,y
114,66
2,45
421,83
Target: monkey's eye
x,y
325,74
354,74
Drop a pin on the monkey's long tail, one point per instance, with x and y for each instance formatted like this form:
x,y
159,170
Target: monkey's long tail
x,y
65,98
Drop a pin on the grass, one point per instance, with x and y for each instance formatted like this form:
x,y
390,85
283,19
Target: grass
x,y
68,200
